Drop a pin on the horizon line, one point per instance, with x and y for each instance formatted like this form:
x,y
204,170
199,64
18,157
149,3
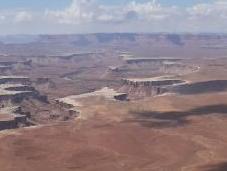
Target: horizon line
x,y
138,33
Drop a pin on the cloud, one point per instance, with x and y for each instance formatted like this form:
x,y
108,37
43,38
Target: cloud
x,y
78,12
208,17
152,16
2,18
82,11
218,9
23,16
148,10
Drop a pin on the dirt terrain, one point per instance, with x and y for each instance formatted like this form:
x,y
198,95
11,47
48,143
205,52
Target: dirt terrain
x,y
172,119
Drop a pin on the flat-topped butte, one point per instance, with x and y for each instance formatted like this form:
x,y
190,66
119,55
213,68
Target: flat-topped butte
x,y
132,59
153,81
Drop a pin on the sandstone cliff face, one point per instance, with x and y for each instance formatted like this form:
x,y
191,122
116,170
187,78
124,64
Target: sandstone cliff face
x,y
13,90
12,121
139,88
151,83
8,124
14,80
44,83
7,67
159,60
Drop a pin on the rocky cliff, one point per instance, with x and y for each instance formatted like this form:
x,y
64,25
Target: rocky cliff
x,y
139,88
13,90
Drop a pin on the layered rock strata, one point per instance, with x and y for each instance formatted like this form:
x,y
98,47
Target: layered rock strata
x,y
13,90
144,87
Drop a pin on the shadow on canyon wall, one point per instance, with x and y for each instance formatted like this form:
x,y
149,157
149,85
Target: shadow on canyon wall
x,y
174,118
201,87
217,167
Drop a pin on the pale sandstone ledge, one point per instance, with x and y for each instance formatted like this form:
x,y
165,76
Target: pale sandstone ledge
x,y
72,102
106,92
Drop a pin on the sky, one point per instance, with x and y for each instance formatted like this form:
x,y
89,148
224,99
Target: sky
x,y
92,16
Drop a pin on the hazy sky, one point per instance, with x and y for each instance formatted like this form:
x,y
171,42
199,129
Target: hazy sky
x,y
89,16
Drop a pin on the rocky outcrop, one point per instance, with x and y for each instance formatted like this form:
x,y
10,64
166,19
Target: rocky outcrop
x,y
132,60
5,68
121,97
19,88
11,63
12,119
44,83
12,95
13,122
151,82
144,66
15,98
15,93
114,68
139,88
42,80
7,124
14,80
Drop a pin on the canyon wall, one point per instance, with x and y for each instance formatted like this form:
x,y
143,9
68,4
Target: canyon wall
x,y
140,88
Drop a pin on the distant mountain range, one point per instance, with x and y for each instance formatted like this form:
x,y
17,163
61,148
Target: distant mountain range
x,y
147,44
86,39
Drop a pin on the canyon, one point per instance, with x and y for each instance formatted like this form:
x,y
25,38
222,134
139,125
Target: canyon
x,y
121,102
